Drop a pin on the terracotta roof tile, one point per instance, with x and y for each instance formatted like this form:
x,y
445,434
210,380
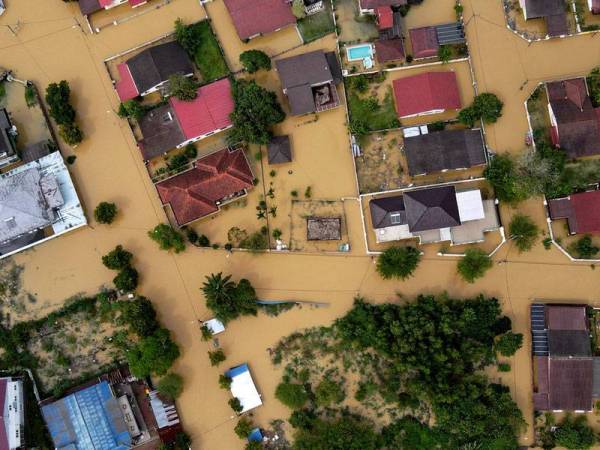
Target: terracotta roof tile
x,y
424,42
259,16
426,92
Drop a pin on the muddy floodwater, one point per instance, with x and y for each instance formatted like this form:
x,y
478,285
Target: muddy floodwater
x,y
47,41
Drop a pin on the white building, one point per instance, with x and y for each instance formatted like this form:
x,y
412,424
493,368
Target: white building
x,y
13,417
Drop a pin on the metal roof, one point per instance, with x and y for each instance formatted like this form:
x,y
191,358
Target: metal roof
x,y
450,33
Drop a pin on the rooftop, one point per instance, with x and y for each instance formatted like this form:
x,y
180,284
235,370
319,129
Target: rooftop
x,y
279,150
251,19
431,208
425,93
424,42
371,5
389,50
7,140
580,210
12,418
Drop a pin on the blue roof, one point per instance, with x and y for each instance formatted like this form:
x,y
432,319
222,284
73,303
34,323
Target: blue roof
x,y
255,435
89,419
235,371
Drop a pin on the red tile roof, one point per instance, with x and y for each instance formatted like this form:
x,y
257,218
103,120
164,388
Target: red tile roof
x,y
587,211
389,50
209,111
426,92
424,42
105,3
251,18
125,87
385,17
193,194
135,3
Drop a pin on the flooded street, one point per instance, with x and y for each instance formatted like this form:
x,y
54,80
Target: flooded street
x,y
49,42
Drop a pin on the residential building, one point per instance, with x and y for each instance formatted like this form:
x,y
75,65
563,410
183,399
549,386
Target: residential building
x,y
370,6
252,19
178,123
433,214
425,94
12,421
88,7
243,388
573,119
309,81
565,378
581,211
8,135
426,41
444,150
554,12
213,181
38,202
389,46
279,150
150,69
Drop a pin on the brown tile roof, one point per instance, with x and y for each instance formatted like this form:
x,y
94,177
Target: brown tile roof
x,y
563,317
580,210
279,150
195,193
259,16
389,50
543,8
570,384
424,42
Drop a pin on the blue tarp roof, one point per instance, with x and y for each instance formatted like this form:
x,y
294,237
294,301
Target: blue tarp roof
x,y
89,419
255,435
235,371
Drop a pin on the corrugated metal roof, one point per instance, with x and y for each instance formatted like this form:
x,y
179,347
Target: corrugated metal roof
x,y
450,33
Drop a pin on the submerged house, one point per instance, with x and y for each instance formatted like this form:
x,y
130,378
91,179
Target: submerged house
x,y
565,373
425,94
426,41
389,46
179,122
434,214
213,181
309,81
243,388
150,69
88,7
574,121
12,421
581,211
256,18
554,12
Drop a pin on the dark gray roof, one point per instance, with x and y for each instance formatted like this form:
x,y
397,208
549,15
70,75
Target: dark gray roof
x,y
382,209
431,209
334,66
450,33
161,132
279,150
543,8
569,343
35,151
7,144
156,64
89,6
442,150
301,100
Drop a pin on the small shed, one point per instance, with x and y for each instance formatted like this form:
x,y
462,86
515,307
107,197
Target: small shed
x,y
215,326
242,387
279,150
324,228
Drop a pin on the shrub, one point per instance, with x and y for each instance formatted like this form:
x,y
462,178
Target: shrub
x,y
398,262
30,96
503,367
292,395
216,357
167,237
409,58
224,382
583,248
203,241
328,391
256,241
276,233
302,418
488,107
131,109
57,97
170,386
524,232
444,53
509,343
308,192
207,333
71,159
127,279
70,133
236,405
243,428
574,433
117,259
298,9
105,212
474,264
190,151
254,60
192,236
182,87
177,162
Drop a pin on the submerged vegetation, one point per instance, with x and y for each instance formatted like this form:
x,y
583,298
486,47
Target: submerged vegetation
x,y
367,113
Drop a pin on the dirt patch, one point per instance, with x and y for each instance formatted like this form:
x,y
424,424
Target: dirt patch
x,y
302,210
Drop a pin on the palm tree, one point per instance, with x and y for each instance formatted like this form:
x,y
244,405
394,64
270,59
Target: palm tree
x,y
219,292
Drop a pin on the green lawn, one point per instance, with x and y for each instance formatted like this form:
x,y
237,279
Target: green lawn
x,y
317,25
367,115
208,57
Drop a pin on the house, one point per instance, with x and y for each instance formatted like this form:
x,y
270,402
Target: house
x,y
573,119
167,419
88,7
581,211
150,69
12,421
38,201
309,81
553,11
564,375
444,150
594,6
243,388
213,181
433,214
8,135
279,150
179,123
323,228
426,93
252,19
389,46
370,6
426,41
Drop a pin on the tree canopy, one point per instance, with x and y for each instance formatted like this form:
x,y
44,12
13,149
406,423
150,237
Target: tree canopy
x,y
509,343
105,212
153,354
574,433
182,87
256,110
58,97
474,264
140,315
170,386
398,262
167,237
117,259
127,279
524,231
292,395
229,300
485,106
131,109
344,433
254,60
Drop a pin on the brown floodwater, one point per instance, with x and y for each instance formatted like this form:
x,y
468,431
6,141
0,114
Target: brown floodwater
x,y
50,45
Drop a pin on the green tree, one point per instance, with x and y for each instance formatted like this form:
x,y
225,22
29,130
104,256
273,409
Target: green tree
x,y
345,433
153,354
584,248
298,9
57,97
444,53
243,428
292,395
177,162
468,116
523,231
182,87
182,441
236,405
398,262
170,386
328,391
488,107
474,264
167,237
216,357
131,109
117,259
256,110
207,333
139,314
509,343
574,433
254,60
187,36
228,300
503,175
70,133
105,212
408,433
224,381
127,279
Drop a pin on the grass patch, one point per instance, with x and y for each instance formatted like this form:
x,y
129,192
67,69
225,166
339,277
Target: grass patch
x,y
2,90
30,96
208,57
317,25
368,115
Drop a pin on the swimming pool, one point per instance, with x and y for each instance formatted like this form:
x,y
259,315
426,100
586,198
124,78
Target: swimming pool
x,y
358,52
